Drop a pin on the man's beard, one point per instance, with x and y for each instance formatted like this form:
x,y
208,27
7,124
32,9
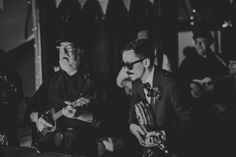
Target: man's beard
x,y
68,66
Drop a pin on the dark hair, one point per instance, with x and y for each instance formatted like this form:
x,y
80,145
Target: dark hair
x,y
68,38
202,29
203,34
75,44
143,48
190,52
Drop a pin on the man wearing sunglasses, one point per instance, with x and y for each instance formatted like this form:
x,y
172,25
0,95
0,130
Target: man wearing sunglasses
x,y
160,60
167,111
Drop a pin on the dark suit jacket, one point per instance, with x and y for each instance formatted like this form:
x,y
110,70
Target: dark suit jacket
x,y
169,113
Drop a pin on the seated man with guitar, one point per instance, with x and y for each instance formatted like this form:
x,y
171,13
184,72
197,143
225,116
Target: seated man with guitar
x,y
63,109
157,117
204,78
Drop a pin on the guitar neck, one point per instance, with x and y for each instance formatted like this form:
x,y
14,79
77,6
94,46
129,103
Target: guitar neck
x,y
221,78
78,103
57,115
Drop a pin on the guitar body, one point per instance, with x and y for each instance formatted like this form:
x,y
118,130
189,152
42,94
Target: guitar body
x,y
200,86
146,123
48,117
51,116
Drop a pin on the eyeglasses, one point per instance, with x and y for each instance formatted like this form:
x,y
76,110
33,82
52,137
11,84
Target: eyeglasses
x,y
65,48
130,65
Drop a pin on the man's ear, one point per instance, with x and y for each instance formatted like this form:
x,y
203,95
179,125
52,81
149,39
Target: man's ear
x,y
146,62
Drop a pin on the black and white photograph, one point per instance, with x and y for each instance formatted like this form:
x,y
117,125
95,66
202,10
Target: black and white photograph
x,y
117,78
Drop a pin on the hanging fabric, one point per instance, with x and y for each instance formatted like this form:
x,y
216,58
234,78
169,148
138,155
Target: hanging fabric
x,y
82,3
1,4
103,4
127,4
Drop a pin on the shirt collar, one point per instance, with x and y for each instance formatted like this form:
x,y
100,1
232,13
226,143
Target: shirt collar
x,y
150,78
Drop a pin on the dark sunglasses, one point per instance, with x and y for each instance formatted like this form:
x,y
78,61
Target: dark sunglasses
x,y
130,66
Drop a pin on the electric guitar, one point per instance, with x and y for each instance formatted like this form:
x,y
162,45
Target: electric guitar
x,y
51,116
152,137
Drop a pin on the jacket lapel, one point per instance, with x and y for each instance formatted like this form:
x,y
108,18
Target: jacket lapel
x,y
156,78
156,81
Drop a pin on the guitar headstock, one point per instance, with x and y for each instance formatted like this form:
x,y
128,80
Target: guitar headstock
x,y
80,102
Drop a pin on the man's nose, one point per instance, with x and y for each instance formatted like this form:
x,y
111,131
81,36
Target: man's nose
x,y
66,52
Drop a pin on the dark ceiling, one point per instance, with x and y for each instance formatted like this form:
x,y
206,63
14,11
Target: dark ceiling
x,y
14,28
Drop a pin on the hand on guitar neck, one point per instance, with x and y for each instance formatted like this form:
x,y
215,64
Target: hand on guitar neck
x,y
71,108
150,139
47,121
199,87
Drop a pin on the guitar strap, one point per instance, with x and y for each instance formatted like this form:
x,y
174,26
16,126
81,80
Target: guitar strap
x,y
219,59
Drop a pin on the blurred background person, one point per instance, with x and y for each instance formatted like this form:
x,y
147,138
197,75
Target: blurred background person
x,y
11,95
203,77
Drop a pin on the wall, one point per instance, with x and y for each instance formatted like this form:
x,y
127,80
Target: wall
x,y
13,22
21,60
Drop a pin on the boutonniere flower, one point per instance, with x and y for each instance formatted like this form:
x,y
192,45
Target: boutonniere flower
x,y
155,92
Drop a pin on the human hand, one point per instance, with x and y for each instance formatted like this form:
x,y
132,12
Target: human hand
x,y
81,102
196,90
198,87
41,124
138,132
207,85
155,138
34,117
69,111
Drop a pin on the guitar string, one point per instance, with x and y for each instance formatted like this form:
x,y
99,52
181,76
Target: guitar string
x,y
60,113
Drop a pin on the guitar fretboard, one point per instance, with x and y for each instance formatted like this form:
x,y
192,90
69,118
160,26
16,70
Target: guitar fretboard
x,y
221,78
57,115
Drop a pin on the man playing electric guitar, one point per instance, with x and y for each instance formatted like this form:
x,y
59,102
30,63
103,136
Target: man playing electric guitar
x,y
169,114
64,99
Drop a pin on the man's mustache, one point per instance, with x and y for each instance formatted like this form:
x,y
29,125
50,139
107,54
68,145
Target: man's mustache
x,y
129,73
66,58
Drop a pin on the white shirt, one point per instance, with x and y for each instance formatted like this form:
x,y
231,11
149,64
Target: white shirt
x,y
150,81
